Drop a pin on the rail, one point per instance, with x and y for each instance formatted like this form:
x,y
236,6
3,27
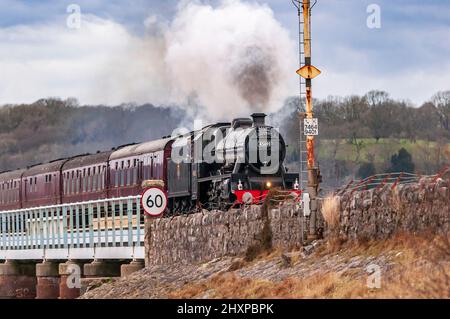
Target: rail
x,y
102,229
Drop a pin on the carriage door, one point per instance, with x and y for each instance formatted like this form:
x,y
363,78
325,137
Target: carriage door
x,y
24,190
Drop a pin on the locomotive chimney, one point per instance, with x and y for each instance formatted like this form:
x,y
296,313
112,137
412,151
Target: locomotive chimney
x,y
258,119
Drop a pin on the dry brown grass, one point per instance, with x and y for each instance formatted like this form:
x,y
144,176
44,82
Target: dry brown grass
x,y
420,269
329,285
331,212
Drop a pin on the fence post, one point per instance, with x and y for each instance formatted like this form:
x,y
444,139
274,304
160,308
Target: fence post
x,y
64,216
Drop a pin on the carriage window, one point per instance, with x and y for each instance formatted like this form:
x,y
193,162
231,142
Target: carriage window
x,y
69,184
88,180
84,180
94,181
99,182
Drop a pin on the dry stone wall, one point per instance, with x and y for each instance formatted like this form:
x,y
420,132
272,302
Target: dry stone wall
x,y
379,213
208,235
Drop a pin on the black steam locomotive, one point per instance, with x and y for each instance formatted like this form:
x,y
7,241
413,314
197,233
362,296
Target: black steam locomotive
x,y
215,167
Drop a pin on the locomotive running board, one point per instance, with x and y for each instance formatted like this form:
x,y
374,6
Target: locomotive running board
x,y
213,178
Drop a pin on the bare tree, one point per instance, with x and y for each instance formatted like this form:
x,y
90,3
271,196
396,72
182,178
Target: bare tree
x,y
441,100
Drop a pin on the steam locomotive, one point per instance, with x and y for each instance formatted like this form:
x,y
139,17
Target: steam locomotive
x,y
215,167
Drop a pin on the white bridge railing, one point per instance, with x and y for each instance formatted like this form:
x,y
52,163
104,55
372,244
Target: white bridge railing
x,y
103,229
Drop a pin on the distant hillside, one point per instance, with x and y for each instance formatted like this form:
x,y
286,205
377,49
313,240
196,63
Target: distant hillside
x,y
53,128
355,131
366,131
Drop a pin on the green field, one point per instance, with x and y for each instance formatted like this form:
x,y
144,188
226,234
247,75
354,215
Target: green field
x,y
340,159
379,152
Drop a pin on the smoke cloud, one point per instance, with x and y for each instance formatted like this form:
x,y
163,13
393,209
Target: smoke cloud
x,y
233,59
217,62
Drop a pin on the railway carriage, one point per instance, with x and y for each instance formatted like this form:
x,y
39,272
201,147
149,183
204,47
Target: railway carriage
x,y
130,165
41,184
85,177
10,190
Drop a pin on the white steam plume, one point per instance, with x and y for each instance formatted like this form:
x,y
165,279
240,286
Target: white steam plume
x,y
233,59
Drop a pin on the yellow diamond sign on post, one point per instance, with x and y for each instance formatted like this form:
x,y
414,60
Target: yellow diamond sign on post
x,y
308,72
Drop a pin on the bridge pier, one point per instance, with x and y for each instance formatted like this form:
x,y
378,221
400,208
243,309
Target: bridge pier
x,y
98,272
70,274
47,280
17,280
135,265
100,268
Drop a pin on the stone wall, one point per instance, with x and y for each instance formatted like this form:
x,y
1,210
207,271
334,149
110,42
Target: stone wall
x,y
363,215
208,235
379,213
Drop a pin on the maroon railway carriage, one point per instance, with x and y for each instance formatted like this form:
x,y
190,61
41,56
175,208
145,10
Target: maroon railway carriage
x,y
85,177
132,164
10,190
41,184
115,173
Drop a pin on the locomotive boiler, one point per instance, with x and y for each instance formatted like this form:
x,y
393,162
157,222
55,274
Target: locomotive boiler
x,y
227,163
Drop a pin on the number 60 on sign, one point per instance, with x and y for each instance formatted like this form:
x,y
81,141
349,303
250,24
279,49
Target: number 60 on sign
x,y
154,201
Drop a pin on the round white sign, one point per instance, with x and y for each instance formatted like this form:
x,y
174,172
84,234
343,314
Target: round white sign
x,y
154,201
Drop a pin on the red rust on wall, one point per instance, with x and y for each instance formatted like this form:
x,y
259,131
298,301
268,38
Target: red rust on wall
x,y
47,288
17,287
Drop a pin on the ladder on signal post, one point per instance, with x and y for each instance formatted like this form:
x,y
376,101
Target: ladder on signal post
x,y
303,166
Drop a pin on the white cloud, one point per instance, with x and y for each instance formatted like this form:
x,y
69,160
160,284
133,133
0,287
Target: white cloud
x,y
53,60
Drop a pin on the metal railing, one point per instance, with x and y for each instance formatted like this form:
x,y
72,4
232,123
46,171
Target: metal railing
x,y
106,229
380,180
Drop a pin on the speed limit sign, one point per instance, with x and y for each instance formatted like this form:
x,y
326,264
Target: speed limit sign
x,y
154,201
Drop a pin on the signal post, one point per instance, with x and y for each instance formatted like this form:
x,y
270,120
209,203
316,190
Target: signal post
x,y
308,72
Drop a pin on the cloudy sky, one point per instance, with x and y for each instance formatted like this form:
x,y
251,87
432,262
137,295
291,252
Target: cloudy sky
x,y
147,50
